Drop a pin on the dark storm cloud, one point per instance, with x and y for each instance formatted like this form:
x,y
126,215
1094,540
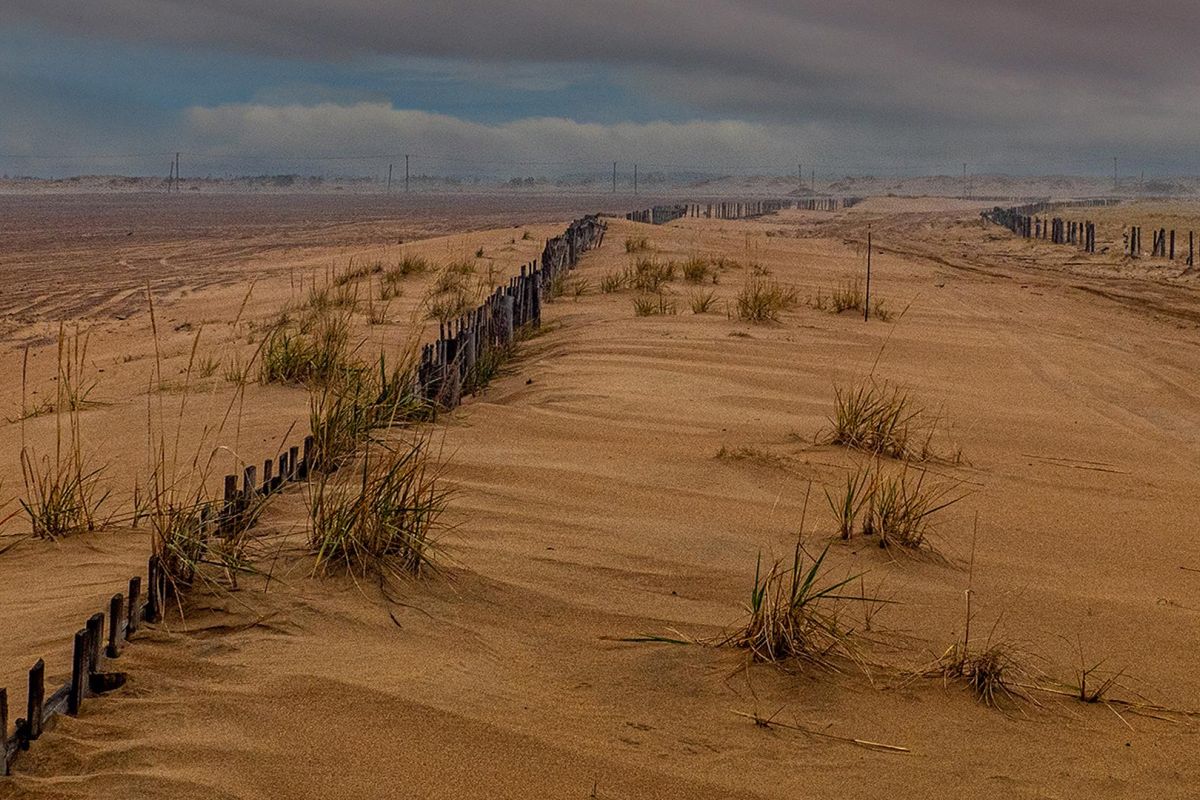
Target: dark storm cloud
x,y
1067,80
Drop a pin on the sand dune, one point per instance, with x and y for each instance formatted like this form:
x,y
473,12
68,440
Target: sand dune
x,y
592,507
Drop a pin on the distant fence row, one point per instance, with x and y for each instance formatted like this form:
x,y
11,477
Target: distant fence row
x,y
736,209
1028,221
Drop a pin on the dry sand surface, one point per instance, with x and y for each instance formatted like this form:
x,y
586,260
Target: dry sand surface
x,y
620,480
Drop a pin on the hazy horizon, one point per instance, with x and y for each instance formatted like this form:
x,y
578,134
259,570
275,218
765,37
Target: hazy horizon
x,y
914,88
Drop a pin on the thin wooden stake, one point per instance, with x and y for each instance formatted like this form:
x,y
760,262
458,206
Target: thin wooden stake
x,y
35,700
867,297
134,615
78,672
116,611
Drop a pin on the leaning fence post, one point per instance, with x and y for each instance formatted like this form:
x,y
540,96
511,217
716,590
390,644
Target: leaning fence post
x,y
153,600
293,465
135,591
95,632
35,700
229,507
78,672
115,613
306,463
249,485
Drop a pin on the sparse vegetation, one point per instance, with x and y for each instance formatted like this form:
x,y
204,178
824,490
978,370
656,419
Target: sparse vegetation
x,y
699,270
383,519
649,305
64,494
898,507
312,351
354,273
614,281
795,612
763,300
650,275
636,244
702,302
878,418
847,296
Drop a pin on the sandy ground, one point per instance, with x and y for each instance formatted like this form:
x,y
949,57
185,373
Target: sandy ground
x,y
592,507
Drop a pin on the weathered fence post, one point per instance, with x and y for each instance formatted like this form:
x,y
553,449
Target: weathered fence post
x,y
116,607
78,672
306,464
153,590
95,633
134,615
35,700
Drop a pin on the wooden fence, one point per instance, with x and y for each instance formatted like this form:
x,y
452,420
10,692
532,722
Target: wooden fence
x,y
438,379
1024,221
743,209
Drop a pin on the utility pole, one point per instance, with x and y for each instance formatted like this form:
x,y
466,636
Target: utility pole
x,y
170,177
964,183
635,178
614,177
177,171
867,296
813,183
800,175
406,173
389,189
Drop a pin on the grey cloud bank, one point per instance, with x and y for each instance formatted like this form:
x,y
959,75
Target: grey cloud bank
x,y
1020,85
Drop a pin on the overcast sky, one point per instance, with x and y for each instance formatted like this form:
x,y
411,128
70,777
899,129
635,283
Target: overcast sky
x,y
544,88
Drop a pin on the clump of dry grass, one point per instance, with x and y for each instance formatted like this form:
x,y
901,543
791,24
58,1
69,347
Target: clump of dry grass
x,y
848,296
649,305
796,612
64,494
750,453
383,518
636,244
310,351
614,281
762,300
848,503
698,269
990,673
354,272
579,288
702,302
878,418
452,293
897,506
651,275
900,507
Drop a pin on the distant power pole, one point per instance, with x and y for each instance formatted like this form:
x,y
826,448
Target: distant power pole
x,y
867,296
635,178
813,183
614,177
170,177
389,189
964,183
800,175
406,173
177,172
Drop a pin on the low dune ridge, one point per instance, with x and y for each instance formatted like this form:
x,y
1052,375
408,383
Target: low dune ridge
x,y
620,490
